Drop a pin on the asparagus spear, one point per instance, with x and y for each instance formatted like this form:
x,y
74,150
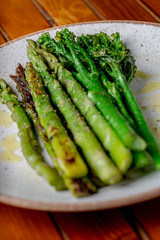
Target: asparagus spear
x,y
96,92
111,62
29,141
23,88
79,187
98,161
69,160
140,158
114,92
118,152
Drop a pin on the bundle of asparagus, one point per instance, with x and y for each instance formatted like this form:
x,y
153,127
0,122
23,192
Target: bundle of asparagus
x,y
72,92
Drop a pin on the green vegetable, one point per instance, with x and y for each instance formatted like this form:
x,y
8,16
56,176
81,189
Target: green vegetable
x,y
95,156
68,158
23,88
141,159
116,95
29,141
91,81
109,53
118,152
79,187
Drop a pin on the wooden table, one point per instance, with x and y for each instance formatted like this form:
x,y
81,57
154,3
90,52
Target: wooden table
x,y
141,221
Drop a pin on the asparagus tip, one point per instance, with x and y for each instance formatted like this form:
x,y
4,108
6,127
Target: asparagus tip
x,y
139,144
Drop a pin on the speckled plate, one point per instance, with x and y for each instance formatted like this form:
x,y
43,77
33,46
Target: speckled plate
x,y
20,186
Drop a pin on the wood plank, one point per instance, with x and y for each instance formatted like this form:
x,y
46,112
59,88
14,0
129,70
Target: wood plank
x,y
120,10
20,17
148,214
16,224
102,225
68,11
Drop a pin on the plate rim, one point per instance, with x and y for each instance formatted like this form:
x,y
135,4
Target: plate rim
x,y
79,207
87,206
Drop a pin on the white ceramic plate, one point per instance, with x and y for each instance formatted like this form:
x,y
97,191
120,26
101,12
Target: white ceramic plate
x,y
20,186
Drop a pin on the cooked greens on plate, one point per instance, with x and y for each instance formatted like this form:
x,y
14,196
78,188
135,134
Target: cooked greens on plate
x,y
75,96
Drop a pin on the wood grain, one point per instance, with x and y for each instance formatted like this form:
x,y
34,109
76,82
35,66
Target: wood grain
x,y
151,7
22,224
68,11
20,18
2,40
4,34
121,10
106,225
43,12
148,215
154,5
